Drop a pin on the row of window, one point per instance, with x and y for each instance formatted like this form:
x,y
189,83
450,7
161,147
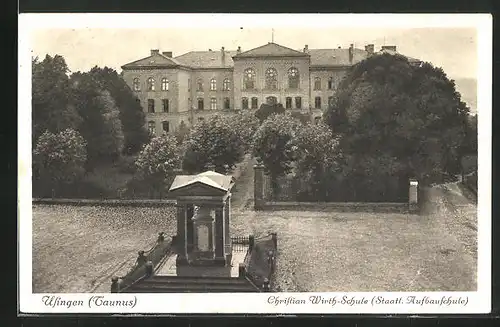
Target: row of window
x,y
244,103
248,81
152,127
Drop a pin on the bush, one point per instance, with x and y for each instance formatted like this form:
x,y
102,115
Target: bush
x,y
58,159
156,163
215,141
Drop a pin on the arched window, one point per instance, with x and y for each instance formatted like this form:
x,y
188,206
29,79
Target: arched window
x,y
213,84
249,79
293,78
164,84
271,100
199,85
226,85
137,84
255,103
317,83
271,79
200,104
244,103
151,84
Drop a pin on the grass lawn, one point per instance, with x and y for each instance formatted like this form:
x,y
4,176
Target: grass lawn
x,y
78,249
340,252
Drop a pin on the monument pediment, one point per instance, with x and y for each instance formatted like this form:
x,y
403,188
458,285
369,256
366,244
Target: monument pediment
x,y
205,184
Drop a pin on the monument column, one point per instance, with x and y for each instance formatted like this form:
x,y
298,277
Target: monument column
x,y
219,234
227,235
181,230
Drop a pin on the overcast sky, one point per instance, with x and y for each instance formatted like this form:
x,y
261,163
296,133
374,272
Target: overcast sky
x,y
453,49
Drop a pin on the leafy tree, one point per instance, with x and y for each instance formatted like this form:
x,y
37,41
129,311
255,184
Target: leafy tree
x,y
316,158
52,109
59,159
130,111
267,110
400,118
182,132
157,161
101,126
245,123
274,146
214,141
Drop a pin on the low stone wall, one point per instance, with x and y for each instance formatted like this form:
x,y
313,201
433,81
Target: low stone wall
x,y
338,207
116,203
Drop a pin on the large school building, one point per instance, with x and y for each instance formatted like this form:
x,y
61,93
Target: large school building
x,y
181,90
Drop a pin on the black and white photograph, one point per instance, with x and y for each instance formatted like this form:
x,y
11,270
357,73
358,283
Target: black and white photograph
x,y
220,155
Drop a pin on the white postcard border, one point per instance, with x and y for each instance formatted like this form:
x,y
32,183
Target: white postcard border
x,y
477,302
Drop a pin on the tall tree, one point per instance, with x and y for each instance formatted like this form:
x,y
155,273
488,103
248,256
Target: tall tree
x,y
273,145
399,118
131,112
52,109
101,126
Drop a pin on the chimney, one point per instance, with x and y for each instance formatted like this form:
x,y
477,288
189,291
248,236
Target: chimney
x,y
155,52
351,53
306,48
370,49
223,55
389,48
167,54
238,51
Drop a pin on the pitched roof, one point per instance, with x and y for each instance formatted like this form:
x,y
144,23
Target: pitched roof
x,y
210,178
335,57
155,60
271,50
392,52
207,59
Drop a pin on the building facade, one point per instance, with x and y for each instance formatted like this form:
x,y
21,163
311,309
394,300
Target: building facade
x,y
177,91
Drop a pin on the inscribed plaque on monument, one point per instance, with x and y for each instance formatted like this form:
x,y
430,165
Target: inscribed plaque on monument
x,y
203,238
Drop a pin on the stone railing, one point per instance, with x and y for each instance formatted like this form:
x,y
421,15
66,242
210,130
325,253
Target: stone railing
x,y
262,281
144,266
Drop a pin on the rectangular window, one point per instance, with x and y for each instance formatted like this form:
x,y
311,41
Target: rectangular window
x,y
244,103
213,104
166,126
288,103
330,101
165,105
227,103
201,119
254,103
151,105
330,83
200,104
298,102
317,83
317,103
151,128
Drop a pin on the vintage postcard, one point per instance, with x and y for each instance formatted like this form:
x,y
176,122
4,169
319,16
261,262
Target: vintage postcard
x,y
244,163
